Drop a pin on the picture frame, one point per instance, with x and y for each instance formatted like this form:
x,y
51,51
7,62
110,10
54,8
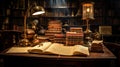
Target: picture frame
x,y
105,30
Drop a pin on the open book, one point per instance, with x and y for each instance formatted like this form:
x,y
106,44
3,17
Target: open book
x,y
59,49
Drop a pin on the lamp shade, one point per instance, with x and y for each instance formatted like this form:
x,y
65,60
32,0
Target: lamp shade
x,y
88,10
37,10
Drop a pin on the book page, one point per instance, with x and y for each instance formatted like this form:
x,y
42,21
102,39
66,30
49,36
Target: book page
x,y
18,50
40,48
43,46
81,50
60,49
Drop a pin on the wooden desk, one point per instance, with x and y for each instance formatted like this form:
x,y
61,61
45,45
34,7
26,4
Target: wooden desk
x,y
105,59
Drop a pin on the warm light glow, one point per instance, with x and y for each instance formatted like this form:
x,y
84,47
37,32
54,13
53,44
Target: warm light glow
x,y
88,9
38,13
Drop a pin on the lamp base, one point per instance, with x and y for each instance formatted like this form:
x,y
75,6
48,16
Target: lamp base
x,y
88,37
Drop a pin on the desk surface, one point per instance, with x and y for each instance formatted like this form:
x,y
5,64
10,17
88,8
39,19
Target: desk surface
x,y
107,55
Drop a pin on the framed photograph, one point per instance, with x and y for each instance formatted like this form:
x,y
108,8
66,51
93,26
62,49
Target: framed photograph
x,y
105,30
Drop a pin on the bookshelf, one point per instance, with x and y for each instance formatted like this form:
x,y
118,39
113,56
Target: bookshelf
x,y
112,13
63,10
69,11
106,12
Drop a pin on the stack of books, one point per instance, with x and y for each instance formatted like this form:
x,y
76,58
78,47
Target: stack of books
x,y
54,27
73,38
76,29
60,38
97,46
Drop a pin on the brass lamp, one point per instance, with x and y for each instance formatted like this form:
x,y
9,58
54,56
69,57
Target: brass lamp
x,y
36,10
87,15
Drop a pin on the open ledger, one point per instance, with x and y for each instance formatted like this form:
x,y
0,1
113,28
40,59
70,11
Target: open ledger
x,y
59,49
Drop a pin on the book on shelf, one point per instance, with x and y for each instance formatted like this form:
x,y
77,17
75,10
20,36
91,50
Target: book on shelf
x,y
60,49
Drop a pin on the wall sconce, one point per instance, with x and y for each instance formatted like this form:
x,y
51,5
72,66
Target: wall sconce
x,y
87,14
35,10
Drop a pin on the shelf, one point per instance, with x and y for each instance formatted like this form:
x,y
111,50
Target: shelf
x,y
16,17
15,31
106,12
18,9
60,7
70,10
61,16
